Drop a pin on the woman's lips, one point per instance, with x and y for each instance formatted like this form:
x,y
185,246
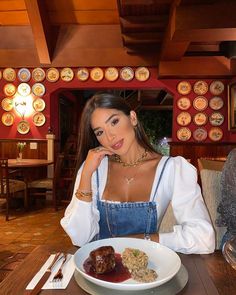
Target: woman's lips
x,y
118,145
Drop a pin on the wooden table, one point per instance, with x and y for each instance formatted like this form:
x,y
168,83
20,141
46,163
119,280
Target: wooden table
x,y
208,275
28,163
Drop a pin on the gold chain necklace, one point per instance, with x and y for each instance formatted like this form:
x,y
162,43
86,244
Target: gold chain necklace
x,y
117,159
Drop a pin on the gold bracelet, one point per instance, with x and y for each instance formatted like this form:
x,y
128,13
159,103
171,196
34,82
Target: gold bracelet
x,y
84,195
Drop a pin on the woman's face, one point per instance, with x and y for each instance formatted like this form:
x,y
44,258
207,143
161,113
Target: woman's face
x,y
114,130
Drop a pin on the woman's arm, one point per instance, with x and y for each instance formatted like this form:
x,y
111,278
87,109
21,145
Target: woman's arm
x,y
194,232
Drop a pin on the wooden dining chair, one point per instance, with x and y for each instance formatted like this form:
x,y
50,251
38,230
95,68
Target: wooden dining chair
x,y
40,187
10,187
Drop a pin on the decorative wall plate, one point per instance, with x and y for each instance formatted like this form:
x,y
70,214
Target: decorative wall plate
x,y
184,103
200,119
24,75
216,119
7,119
111,74
216,103
142,74
126,74
184,134
24,89
217,87
39,119
200,134
83,74
23,127
9,89
215,134
39,104
184,119
184,87
200,103
67,74
200,87
38,75
7,104
96,74
52,74
9,74
38,89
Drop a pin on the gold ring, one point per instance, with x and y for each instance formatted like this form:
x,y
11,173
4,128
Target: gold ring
x,y
97,149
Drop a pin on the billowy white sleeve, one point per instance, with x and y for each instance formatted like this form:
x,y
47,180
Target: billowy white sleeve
x,y
81,218
194,232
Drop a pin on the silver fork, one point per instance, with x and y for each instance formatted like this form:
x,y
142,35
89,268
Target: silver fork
x,y
59,275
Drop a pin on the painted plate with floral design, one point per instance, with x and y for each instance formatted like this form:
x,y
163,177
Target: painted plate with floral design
x,y
200,134
24,75
9,74
9,89
200,119
24,89
215,134
39,119
39,104
184,134
126,74
7,104
200,103
52,75
67,74
38,75
96,74
111,74
38,89
23,127
217,87
216,103
184,103
216,119
7,119
184,119
200,87
184,87
142,74
83,74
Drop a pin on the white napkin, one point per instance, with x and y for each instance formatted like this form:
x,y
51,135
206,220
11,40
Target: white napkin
x,y
67,270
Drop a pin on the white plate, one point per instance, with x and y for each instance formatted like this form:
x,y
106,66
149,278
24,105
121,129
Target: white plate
x,y
162,259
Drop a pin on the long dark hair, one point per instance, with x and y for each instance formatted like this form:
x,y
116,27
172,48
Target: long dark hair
x,y
87,139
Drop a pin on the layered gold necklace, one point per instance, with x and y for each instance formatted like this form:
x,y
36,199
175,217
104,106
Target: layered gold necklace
x,y
117,159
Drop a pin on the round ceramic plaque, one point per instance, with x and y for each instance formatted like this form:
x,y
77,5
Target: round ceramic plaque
x,y
184,134
7,104
7,119
82,74
126,74
52,74
39,119
200,119
200,103
9,74
217,87
111,74
216,119
67,74
184,87
200,134
216,103
96,74
184,119
142,74
183,103
200,87
24,89
24,75
23,127
39,104
38,89
9,89
215,134
38,75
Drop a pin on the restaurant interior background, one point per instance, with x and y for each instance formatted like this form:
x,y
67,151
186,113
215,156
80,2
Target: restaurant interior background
x,y
157,54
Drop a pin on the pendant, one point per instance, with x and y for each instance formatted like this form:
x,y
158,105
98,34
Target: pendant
x,y
129,180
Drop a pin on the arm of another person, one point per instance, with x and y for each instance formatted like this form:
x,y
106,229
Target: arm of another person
x,y
194,232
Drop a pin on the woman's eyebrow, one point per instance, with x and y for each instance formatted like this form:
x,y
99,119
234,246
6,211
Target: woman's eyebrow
x,y
109,119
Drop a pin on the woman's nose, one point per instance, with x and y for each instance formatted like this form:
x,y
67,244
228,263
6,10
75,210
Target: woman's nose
x,y
110,136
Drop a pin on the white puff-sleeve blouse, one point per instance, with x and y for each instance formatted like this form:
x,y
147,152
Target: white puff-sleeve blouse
x,y
192,234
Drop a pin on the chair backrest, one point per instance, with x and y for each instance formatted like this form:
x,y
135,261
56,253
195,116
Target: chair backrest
x,y
210,173
4,178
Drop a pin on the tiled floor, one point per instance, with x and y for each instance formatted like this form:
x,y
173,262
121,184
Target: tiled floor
x,y
24,231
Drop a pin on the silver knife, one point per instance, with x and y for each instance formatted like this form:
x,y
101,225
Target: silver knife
x,y
38,287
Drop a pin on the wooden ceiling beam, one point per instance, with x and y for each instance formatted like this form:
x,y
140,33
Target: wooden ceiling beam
x,y
41,29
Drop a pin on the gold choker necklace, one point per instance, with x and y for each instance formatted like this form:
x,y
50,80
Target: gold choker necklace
x,y
117,159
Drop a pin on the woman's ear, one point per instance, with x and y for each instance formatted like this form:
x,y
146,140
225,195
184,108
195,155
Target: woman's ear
x,y
133,118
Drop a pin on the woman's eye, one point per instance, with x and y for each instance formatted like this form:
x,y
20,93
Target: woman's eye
x,y
99,133
114,122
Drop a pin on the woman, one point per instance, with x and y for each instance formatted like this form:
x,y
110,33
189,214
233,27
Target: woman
x,y
123,186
